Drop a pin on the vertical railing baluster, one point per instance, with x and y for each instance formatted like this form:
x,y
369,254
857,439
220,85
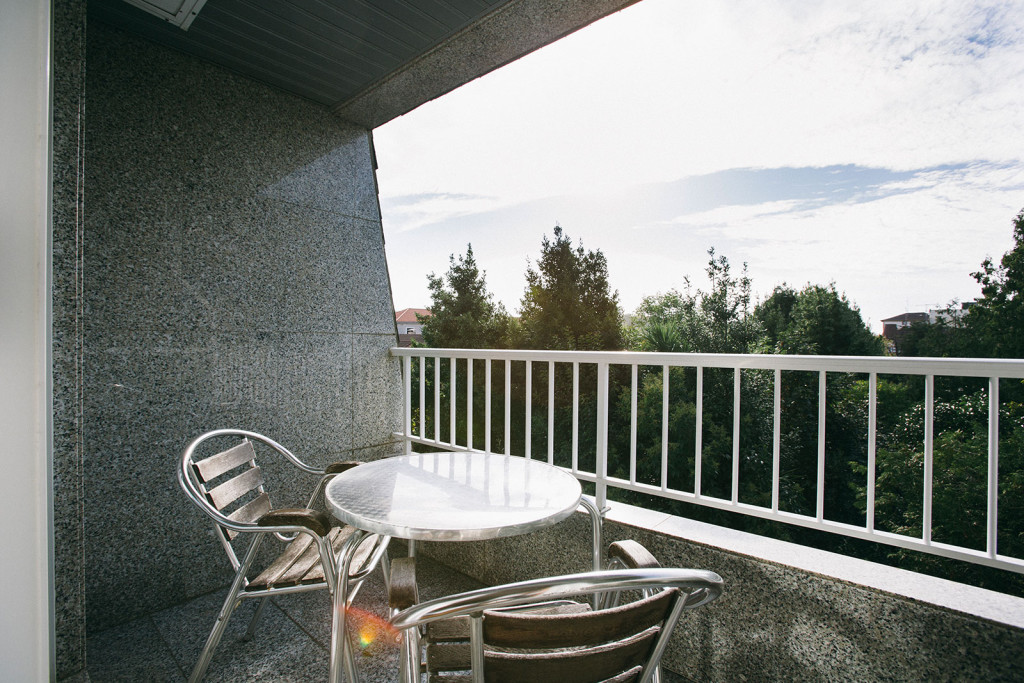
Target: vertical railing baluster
x,y
508,406
437,399
992,526
698,445
736,436
451,400
551,412
601,464
487,405
407,367
929,456
872,446
776,439
469,403
575,416
820,506
423,395
528,436
632,424
664,427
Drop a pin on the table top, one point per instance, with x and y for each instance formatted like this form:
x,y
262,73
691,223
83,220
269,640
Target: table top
x,y
453,496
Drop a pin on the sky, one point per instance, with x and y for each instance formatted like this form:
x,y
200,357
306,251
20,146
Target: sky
x,y
878,146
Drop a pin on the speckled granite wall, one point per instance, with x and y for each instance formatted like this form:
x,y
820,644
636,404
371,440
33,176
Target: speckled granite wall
x,y
68,102
234,276
773,622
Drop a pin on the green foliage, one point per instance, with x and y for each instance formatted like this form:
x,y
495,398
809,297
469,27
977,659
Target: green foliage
x,y
996,320
960,484
776,313
945,338
712,321
464,314
568,303
662,337
815,321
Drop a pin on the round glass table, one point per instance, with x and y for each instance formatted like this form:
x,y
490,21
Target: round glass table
x,y
453,496
444,496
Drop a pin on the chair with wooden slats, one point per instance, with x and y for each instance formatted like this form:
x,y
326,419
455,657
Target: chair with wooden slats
x,y
503,634
228,486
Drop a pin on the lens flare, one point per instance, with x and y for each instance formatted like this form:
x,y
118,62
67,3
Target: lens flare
x,y
370,629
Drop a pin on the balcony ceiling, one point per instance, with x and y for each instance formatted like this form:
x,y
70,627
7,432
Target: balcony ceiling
x,y
369,60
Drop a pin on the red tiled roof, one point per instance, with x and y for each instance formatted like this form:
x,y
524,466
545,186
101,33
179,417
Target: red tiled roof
x,y
408,315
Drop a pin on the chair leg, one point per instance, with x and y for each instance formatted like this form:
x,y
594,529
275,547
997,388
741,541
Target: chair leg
x,y
230,603
254,622
409,657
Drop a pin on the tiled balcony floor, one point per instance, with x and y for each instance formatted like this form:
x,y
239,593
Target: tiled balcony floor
x,y
291,643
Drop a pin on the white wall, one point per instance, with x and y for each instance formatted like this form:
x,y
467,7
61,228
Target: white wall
x,y
25,532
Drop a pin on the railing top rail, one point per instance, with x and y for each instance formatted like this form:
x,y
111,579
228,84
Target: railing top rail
x,y
951,367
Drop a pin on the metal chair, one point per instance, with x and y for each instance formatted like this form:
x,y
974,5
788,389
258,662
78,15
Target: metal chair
x,y
228,486
529,631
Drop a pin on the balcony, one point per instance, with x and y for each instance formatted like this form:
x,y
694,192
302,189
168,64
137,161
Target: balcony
x,y
789,611
230,270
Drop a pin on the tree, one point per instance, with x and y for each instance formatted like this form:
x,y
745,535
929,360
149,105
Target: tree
x,y
996,320
568,303
816,320
712,321
464,314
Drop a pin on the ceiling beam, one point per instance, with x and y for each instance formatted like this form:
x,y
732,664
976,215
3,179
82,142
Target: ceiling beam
x,y
513,30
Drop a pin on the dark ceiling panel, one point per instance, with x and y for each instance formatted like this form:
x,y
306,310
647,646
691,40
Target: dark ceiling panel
x,y
323,50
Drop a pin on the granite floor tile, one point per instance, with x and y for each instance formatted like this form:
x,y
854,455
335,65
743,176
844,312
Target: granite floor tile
x,y
291,643
134,651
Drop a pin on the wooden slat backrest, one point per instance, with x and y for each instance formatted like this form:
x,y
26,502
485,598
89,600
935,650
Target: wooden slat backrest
x,y
223,495
225,461
250,512
253,510
588,665
525,630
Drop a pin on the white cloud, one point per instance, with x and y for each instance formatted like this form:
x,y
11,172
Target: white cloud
x,y
411,212
667,89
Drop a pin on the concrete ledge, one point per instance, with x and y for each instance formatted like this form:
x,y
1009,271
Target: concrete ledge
x,y
978,602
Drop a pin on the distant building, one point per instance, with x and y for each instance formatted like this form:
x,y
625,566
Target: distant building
x,y
410,329
891,327
894,328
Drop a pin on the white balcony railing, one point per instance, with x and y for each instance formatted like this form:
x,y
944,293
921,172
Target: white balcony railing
x,y
441,381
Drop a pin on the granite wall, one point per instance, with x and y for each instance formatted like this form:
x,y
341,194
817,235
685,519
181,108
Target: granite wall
x,y
776,621
69,24
234,275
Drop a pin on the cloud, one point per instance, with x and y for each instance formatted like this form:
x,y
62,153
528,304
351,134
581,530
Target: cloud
x,y
409,212
666,89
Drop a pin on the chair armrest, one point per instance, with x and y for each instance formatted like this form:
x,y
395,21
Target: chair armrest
x,y
339,467
632,555
706,586
317,521
404,592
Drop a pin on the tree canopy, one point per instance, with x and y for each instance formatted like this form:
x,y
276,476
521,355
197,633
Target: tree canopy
x,y
816,320
568,303
698,321
464,314
996,320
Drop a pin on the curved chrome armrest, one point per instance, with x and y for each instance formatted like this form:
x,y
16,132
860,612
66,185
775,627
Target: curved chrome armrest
x,y
702,587
327,474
